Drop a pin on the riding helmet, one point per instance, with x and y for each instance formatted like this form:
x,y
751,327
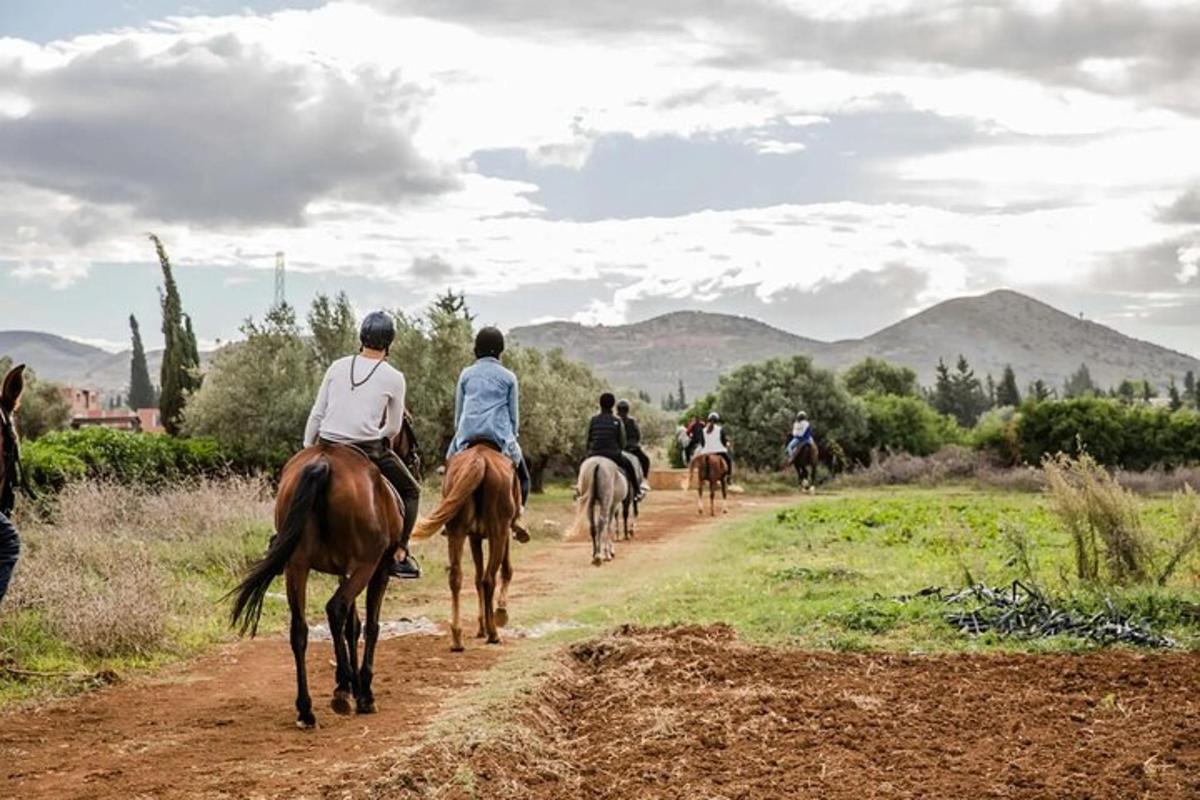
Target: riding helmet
x,y
489,343
801,415
714,417
623,406
378,331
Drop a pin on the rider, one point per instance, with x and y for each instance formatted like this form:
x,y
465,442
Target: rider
x,y
361,403
10,543
694,428
713,439
633,440
487,407
801,434
606,437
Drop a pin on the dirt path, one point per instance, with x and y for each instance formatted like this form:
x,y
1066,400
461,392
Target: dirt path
x,y
222,726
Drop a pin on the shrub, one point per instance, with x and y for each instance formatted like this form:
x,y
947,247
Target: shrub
x,y
1102,518
1134,437
996,435
908,424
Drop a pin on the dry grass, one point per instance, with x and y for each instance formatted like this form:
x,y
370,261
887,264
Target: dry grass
x,y
103,569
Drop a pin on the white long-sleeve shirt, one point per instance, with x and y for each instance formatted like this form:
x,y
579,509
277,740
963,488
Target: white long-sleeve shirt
x,y
367,409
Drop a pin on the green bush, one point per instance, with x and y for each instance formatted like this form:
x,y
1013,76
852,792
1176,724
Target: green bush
x,y
121,456
908,424
1136,437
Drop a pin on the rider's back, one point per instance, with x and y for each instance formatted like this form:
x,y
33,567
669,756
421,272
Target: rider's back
x,y
604,435
360,400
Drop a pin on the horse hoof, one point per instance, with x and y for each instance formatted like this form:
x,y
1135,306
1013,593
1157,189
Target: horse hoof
x,y
596,561
501,616
306,722
457,648
341,703
493,640
365,707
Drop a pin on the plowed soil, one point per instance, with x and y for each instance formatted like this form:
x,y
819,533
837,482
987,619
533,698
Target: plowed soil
x,y
693,713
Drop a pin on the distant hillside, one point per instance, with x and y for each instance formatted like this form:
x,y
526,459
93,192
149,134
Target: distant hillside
x,y
55,358
991,330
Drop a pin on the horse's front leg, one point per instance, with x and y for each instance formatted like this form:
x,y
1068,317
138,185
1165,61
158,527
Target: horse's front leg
x,y
506,574
297,580
496,550
477,557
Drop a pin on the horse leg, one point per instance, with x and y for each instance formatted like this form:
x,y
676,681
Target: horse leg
x,y
297,580
353,632
724,496
506,573
597,530
365,700
477,557
496,547
338,610
625,517
457,540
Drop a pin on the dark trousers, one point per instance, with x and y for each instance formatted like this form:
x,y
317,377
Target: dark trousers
x,y
642,458
398,475
523,479
10,549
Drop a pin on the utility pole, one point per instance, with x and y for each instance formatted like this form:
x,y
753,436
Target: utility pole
x,y
279,276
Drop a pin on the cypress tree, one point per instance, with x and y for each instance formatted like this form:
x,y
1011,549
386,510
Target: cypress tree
x,y
682,399
1007,393
1189,390
177,377
141,391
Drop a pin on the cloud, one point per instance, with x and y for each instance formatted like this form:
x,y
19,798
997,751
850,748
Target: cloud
x,y
1184,211
213,131
1120,47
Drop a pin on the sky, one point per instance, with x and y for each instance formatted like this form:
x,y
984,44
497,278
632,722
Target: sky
x,y
827,167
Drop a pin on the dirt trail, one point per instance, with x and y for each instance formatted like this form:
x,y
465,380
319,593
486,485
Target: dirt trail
x,y
222,726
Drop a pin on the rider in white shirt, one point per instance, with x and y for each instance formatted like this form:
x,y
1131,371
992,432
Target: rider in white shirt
x,y
713,439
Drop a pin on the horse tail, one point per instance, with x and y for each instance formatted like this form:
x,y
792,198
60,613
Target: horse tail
x,y
310,491
587,496
457,495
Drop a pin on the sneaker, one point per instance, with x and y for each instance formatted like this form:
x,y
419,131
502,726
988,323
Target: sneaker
x,y
406,568
645,487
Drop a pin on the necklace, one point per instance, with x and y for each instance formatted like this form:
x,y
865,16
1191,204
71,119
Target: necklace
x,y
355,384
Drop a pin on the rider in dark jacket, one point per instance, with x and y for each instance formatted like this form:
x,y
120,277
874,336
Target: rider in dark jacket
x,y
633,436
606,437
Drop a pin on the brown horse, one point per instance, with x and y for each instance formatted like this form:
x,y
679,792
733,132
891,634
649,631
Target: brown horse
x,y
480,501
334,513
10,400
712,469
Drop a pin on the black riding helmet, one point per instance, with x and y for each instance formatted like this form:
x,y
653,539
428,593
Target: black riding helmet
x,y
378,330
606,401
622,406
489,342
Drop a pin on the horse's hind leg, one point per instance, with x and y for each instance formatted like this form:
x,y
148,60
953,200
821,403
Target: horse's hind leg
x,y
353,633
297,580
365,699
497,544
477,557
456,552
338,610
506,573
724,496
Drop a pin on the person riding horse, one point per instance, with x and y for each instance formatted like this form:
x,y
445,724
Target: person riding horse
x,y
633,438
802,435
606,437
713,439
10,542
359,391
487,408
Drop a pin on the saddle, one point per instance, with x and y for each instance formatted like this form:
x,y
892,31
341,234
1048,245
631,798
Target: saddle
x,y
484,441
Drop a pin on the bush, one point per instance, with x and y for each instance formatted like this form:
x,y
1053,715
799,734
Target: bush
x,y
1134,437
908,425
951,463
121,456
996,435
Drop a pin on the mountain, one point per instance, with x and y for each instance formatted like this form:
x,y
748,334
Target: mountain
x,y
55,358
991,330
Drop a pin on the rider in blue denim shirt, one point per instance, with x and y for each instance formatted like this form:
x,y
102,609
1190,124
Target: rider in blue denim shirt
x,y
487,406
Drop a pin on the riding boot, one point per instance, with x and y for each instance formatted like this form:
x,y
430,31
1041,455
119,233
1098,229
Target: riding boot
x,y
410,496
523,478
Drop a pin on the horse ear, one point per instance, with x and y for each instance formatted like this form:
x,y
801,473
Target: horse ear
x,y
10,391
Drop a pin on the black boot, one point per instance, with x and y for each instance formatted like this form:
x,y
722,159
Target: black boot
x,y
406,568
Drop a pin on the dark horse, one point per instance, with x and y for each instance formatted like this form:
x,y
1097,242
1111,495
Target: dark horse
x,y
805,461
10,472
334,513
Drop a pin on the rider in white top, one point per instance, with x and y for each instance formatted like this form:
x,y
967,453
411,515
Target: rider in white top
x,y
713,440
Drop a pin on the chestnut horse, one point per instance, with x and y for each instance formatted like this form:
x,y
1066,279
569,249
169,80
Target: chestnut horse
x,y
712,469
335,513
805,461
480,501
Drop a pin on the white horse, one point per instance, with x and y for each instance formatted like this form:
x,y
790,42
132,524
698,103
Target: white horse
x,y
600,493
631,502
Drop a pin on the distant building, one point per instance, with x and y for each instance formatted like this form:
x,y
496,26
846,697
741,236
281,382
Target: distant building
x,y
88,409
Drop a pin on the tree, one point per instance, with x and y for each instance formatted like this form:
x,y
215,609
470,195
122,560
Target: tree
x,y
333,328
682,398
874,375
991,390
180,364
758,403
907,424
1190,397
668,402
960,394
1176,399
141,390
1039,391
1007,393
258,392
1080,383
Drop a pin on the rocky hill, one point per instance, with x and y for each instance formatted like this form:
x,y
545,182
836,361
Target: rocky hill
x,y
991,330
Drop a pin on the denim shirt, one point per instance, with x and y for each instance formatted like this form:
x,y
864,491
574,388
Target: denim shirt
x,y
486,406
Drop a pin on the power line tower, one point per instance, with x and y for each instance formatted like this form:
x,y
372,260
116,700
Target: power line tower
x,y
279,280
